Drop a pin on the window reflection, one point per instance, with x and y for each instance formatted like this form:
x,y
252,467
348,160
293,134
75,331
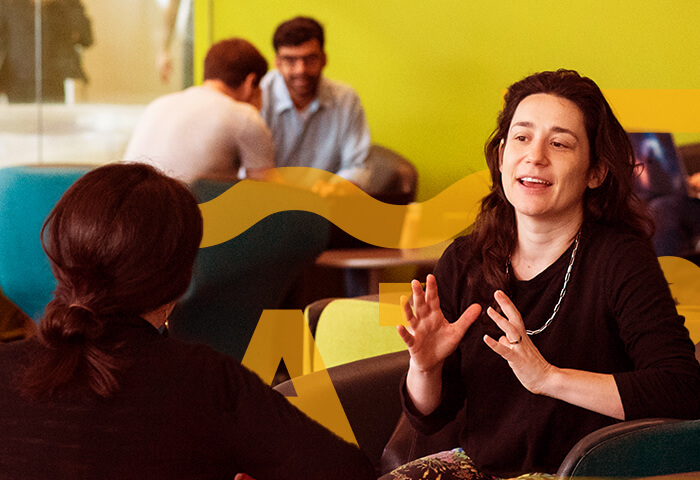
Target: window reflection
x,y
97,68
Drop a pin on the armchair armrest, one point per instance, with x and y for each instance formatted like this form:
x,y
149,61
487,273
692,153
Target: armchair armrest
x,y
638,448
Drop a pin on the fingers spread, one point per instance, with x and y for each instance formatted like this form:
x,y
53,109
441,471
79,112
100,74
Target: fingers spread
x,y
499,319
511,332
405,335
508,308
408,315
418,294
431,291
503,347
494,345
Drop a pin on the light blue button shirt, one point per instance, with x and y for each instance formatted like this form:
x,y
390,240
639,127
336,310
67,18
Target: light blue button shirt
x,y
330,134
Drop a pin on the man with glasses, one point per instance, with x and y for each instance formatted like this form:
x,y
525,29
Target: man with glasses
x,y
315,122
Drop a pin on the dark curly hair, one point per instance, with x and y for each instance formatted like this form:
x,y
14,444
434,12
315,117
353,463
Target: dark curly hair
x,y
613,202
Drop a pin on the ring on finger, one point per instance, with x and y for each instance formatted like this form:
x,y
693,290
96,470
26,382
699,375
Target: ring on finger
x,y
520,337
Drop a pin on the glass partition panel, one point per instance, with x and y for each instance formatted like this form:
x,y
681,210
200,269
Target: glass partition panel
x,y
76,74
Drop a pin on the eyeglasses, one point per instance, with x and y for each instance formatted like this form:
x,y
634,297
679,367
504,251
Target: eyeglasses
x,y
308,60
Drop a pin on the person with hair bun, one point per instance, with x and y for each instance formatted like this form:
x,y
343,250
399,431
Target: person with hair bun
x,y
102,392
552,318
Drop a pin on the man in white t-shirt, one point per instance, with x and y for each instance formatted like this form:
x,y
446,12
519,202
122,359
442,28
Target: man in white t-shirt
x,y
214,130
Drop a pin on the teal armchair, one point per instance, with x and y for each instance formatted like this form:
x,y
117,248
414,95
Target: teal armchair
x,y
27,195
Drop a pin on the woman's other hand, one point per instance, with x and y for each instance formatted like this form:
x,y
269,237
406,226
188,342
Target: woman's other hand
x,y
593,391
515,346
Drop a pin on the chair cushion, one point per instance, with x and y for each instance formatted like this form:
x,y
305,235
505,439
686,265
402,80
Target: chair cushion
x,y
640,448
349,330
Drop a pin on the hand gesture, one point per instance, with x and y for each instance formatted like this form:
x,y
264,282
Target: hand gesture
x,y
430,338
516,348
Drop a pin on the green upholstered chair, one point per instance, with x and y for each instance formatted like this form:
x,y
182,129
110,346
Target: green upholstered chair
x,y
233,282
27,195
639,448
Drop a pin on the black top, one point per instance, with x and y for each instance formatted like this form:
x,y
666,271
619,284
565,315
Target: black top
x,y
183,411
617,317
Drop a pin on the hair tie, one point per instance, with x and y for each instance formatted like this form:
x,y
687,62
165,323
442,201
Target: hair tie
x,y
86,325
82,307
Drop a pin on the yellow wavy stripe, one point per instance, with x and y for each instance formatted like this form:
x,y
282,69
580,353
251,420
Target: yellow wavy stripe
x,y
391,226
363,217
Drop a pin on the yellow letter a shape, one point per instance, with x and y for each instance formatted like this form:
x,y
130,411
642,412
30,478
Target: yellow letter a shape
x,y
284,334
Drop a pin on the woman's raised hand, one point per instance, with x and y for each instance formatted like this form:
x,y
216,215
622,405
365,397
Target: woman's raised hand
x,y
430,338
516,348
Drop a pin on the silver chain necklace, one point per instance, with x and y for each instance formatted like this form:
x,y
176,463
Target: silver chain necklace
x,y
563,288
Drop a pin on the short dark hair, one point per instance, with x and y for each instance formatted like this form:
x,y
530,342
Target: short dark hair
x,y
296,31
122,242
232,60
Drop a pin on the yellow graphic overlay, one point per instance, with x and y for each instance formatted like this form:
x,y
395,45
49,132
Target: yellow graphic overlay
x,y
656,110
341,202
282,334
683,277
391,299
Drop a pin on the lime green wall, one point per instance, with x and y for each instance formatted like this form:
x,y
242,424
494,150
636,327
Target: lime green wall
x,y
431,74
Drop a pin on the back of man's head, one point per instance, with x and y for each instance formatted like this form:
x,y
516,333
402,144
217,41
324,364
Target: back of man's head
x,y
232,60
296,31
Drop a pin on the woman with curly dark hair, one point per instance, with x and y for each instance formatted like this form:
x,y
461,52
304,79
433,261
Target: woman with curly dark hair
x,y
552,318
101,393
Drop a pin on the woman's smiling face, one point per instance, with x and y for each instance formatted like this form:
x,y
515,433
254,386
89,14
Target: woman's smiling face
x,y
545,159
